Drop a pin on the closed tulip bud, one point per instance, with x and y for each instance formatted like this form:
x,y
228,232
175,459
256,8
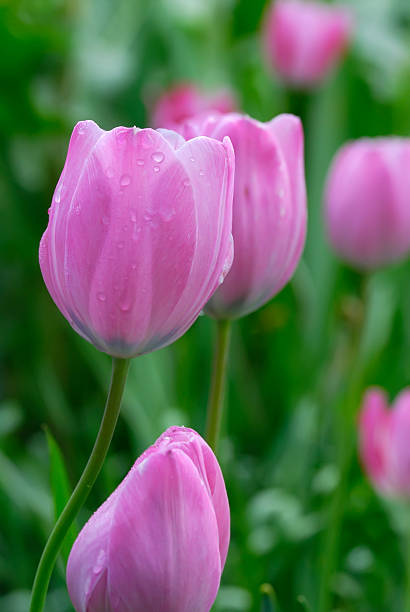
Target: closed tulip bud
x,y
139,235
367,202
304,40
185,101
384,442
269,210
160,541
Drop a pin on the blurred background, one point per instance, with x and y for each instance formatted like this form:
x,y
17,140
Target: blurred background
x,y
293,388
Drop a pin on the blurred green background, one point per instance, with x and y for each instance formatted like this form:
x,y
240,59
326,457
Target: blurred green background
x,y
295,378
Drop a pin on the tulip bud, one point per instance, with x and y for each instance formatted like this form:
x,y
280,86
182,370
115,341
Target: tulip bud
x,y
269,210
185,101
304,40
384,442
160,541
367,202
139,235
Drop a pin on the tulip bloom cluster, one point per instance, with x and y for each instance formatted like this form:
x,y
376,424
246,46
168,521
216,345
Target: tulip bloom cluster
x,y
139,235
384,442
304,40
160,541
367,202
139,239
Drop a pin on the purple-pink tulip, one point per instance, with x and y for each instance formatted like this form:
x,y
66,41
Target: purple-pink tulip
x,y
139,235
269,210
367,202
304,40
185,101
384,442
160,541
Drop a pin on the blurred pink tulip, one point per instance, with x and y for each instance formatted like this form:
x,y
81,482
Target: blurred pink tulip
x,y
367,202
160,541
139,235
304,40
269,210
384,442
184,101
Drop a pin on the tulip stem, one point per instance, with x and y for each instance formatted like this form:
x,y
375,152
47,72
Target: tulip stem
x,y
217,392
84,485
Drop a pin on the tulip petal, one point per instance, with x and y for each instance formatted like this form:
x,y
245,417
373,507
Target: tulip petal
x,y
374,437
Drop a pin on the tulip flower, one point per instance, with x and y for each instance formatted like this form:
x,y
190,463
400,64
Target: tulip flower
x,y
139,235
185,101
367,202
269,209
304,40
160,541
384,442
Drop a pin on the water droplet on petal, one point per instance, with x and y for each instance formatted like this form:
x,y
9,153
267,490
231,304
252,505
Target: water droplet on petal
x,y
133,217
125,180
192,159
101,297
158,157
186,183
156,168
81,129
201,173
109,173
140,162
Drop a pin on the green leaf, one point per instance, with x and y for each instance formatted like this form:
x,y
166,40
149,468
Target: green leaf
x,y
61,490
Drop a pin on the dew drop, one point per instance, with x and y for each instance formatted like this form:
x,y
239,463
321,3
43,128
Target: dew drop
x,y
57,196
186,183
49,210
125,180
192,159
81,129
101,297
125,305
156,168
109,173
201,173
133,217
140,162
158,157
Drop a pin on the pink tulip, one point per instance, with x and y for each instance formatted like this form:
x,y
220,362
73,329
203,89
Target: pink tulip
x,y
184,101
139,235
304,40
367,202
384,442
269,210
159,542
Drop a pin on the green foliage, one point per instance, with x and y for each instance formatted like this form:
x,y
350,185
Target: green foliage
x,y
291,362
61,490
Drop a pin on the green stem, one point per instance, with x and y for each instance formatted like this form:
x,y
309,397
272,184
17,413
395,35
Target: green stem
x,y
346,427
216,396
84,485
331,544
